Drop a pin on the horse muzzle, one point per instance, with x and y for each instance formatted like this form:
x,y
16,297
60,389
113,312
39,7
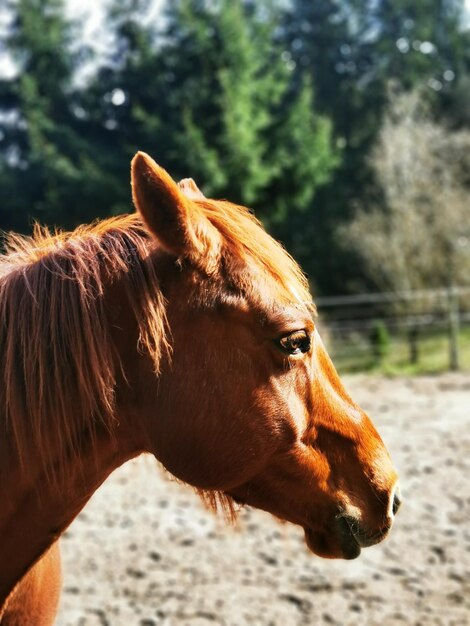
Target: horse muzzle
x,y
347,534
344,540
354,536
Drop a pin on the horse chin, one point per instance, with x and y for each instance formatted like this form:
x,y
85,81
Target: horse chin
x,y
337,543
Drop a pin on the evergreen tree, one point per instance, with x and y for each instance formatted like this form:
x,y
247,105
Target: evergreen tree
x,y
210,96
355,51
121,104
354,48
301,145
42,168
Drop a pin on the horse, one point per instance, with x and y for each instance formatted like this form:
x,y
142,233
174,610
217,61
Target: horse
x,y
36,598
185,331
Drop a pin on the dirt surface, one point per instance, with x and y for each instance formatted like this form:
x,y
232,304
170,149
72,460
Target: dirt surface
x,y
146,552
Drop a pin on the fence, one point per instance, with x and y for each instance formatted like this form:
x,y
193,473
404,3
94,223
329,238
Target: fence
x,y
422,331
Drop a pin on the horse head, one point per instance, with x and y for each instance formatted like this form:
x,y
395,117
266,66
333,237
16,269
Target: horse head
x,y
248,404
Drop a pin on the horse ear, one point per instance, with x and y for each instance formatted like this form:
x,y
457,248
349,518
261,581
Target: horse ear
x,y
164,207
190,189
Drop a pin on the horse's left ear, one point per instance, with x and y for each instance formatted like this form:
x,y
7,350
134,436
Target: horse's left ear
x,y
168,212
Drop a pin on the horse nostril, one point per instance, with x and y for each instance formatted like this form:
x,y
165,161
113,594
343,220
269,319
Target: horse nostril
x,y
396,503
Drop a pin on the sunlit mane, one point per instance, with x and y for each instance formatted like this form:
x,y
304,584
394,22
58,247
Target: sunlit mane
x,y
58,368
247,240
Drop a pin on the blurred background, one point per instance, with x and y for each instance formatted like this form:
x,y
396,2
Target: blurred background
x,y
344,124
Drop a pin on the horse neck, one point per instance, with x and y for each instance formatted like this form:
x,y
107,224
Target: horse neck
x,y
35,512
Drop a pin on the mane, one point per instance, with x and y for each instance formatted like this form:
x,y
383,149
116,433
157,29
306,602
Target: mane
x,y
247,241
58,369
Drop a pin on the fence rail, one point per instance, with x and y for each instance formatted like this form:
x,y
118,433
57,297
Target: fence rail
x,y
428,329
389,296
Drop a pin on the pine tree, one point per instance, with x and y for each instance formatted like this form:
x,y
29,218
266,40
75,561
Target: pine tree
x,y
40,152
121,105
210,96
302,152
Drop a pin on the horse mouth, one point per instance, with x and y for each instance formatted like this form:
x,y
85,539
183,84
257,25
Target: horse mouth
x,y
339,543
345,539
348,538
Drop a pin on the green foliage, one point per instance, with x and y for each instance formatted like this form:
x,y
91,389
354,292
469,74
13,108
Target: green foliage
x,y
272,104
380,340
354,50
211,96
433,346
39,148
53,168
303,155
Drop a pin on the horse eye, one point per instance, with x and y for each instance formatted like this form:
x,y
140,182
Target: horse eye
x,y
295,343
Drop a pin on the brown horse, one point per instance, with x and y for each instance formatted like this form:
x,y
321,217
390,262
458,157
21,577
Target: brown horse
x,y
185,331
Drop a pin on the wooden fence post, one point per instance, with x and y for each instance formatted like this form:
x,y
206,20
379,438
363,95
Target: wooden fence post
x,y
453,319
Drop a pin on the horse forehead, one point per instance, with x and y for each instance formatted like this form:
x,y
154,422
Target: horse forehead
x,y
279,296
295,293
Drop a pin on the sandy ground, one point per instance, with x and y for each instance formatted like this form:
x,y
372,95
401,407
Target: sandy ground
x,y
146,552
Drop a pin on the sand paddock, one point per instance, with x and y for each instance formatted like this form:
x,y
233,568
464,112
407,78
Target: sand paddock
x,y
146,552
